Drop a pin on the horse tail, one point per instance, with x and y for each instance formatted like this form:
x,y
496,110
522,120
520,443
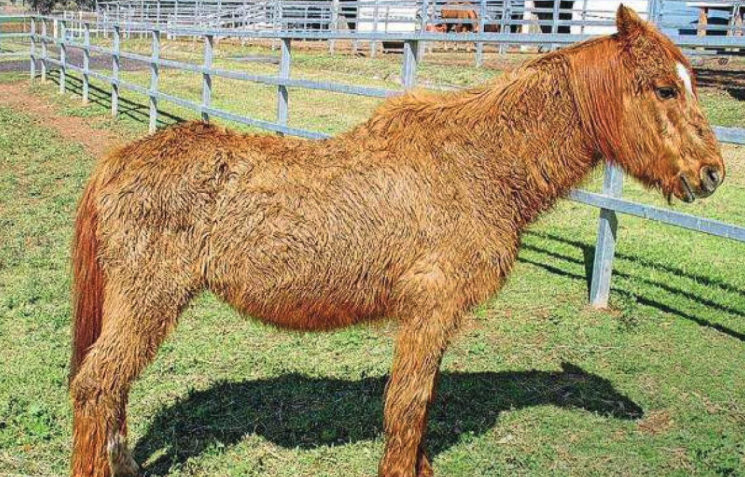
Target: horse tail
x,y
88,280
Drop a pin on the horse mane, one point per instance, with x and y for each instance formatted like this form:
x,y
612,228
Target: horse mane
x,y
396,114
598,72
472,105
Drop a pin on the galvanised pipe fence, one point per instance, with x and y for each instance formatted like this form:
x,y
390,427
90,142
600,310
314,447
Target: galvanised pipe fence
x,y
609,200
415,15
14,37
515,17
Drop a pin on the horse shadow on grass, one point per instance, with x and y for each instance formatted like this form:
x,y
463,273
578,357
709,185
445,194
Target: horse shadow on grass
x,y
296,411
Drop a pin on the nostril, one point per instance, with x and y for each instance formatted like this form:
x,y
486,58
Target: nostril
x,y
710,179
714,175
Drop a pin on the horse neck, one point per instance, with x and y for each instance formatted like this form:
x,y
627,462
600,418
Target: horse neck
x,y
539,147
528,140
522,142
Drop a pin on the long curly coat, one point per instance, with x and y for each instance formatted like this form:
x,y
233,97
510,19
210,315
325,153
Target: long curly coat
x,y
414,215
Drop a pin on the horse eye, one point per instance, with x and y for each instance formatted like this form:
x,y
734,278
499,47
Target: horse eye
x,y
667,93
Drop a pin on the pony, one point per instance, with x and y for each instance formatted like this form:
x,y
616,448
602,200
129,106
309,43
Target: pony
x,y
467,17
462,11
415,215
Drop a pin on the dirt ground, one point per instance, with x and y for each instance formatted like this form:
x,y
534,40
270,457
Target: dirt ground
x,y
75,57
96,141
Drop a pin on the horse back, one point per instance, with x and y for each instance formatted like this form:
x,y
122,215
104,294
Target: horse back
x,y
302,234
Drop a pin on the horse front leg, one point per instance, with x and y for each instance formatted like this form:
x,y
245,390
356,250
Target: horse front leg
x,y
421,342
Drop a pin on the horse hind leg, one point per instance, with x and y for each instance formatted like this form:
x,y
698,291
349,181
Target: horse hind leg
x,y
137,316
120,460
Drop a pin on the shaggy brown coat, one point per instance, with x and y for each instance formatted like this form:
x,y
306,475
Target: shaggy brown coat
x,y
414,215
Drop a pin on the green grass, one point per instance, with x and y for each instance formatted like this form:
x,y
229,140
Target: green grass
x,y
536,384
722,109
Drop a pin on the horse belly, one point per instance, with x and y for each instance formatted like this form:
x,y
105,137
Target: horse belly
x,y
291,310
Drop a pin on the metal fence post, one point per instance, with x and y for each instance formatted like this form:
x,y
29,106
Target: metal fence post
x,y
555,24
86,61
32,66
605,248
376,16
115,71
505,24
584,17
652,11
155,58
175,12
141,19
62,56
408,69
423,28
334,23
283,99
207,76
43,50
424,15
480,45
277,22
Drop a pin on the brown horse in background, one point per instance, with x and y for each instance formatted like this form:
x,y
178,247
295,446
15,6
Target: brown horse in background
x,y
469,21
463,11
415,215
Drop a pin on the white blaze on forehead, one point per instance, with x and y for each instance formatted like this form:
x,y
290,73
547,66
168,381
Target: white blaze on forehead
x,y
685,76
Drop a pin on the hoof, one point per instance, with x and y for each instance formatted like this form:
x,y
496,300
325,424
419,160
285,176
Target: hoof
x,y
424,468
121,462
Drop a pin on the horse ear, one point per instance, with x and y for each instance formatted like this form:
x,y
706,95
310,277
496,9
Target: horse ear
x,y
628,22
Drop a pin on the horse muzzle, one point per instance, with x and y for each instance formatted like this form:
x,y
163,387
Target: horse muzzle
x,y
709,179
